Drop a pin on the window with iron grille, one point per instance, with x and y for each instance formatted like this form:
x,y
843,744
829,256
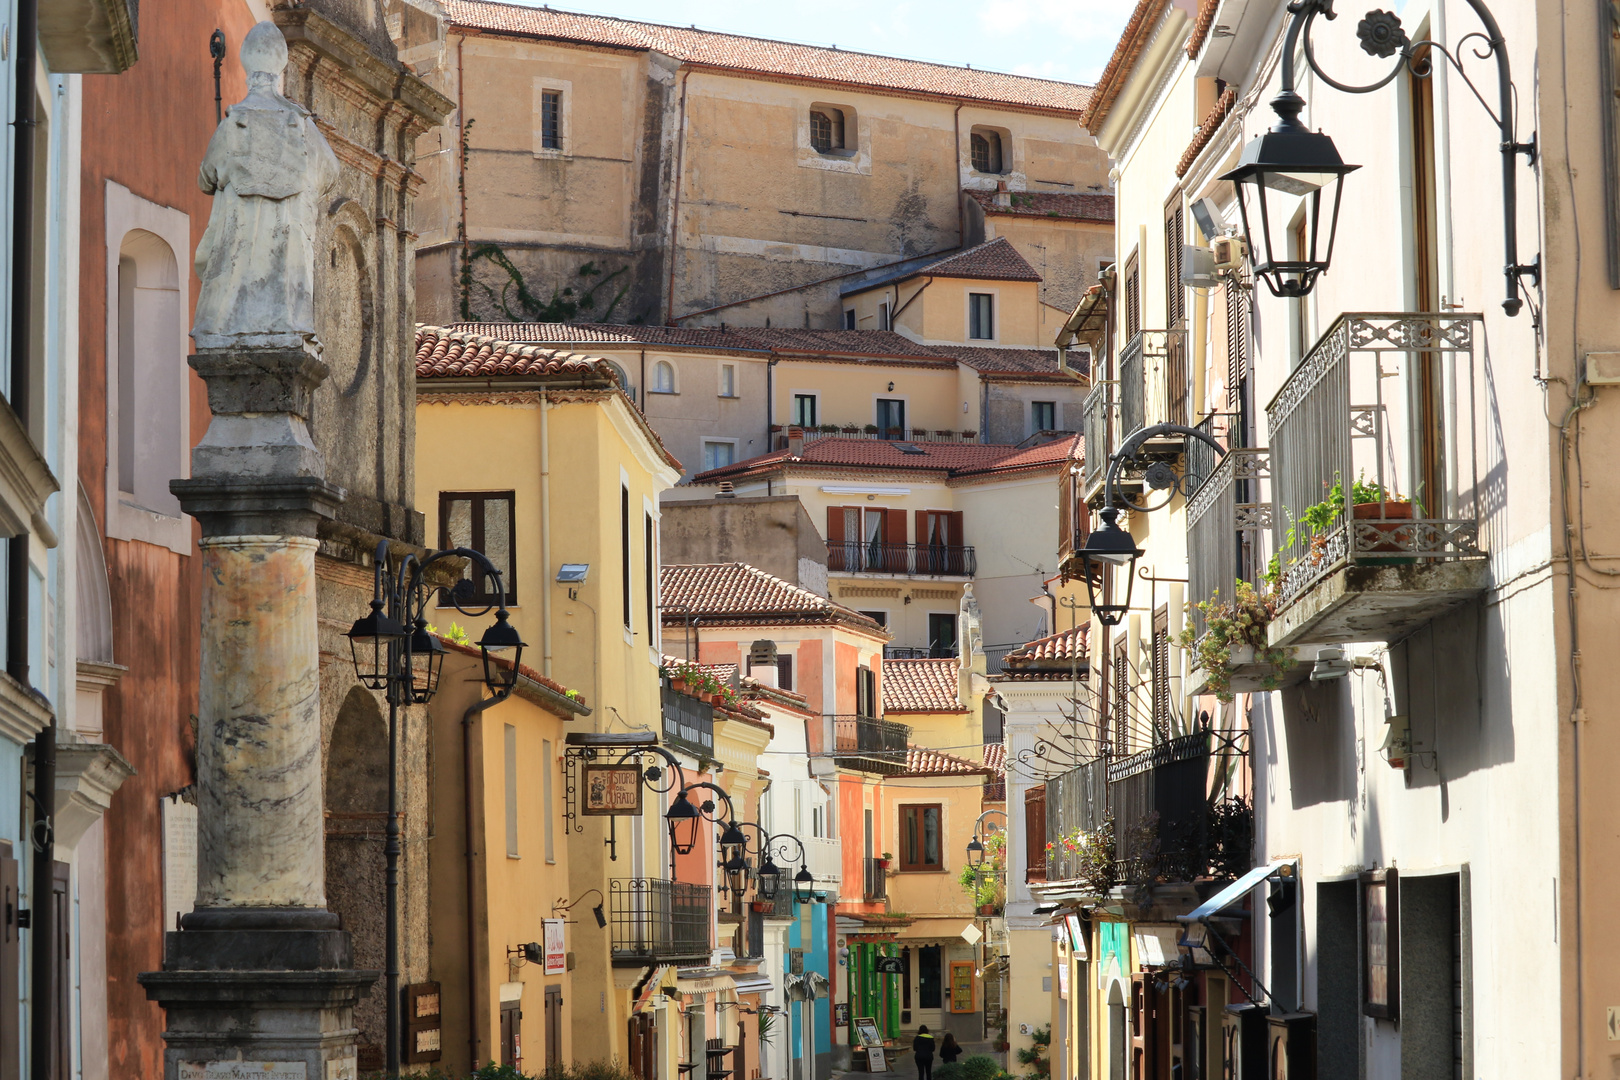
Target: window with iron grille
x,y
483,521
826,130
551,119
986,150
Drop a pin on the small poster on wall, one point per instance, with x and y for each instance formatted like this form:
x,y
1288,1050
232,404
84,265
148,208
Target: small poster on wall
x,y
840,1014
556,951
962,987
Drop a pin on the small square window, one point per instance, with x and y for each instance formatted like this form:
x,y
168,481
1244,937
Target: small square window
x,y
728,380
1043,415
804,410
483,521
981,316
986,150
551,119
717,455
826,130
849,319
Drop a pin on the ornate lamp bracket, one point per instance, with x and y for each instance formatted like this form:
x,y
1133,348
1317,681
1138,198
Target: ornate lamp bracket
x,y
1382,36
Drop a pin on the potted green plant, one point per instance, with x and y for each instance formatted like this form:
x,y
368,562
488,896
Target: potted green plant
x,y
828,429
1369,501
883,860
871,429
1235,637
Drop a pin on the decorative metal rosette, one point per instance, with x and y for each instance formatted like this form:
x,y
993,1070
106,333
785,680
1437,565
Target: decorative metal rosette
x,y
1381,34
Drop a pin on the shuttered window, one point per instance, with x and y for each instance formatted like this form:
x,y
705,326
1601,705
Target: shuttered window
x,y
1175,295
1237,344
1122,701
1161,675
1035,833
1133,298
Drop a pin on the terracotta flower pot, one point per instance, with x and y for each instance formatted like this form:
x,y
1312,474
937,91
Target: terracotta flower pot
x,y
1387,518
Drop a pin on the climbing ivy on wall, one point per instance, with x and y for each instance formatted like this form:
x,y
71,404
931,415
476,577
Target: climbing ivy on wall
x,y
516,300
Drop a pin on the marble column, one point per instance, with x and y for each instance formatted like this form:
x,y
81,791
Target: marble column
x,y
260,976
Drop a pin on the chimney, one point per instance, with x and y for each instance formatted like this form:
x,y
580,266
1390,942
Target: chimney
x,y
796,442
727,490
762,662
1003,197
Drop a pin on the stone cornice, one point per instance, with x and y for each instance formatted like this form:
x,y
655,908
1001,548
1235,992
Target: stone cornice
x,y
87,776
390,82
24,713
26,480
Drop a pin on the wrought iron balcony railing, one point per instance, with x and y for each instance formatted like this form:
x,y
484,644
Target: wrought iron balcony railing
x,y
1228,529
919,652
688,723
1101,426
1152,381
658,920
870,744
1375,447
1076,802
919,560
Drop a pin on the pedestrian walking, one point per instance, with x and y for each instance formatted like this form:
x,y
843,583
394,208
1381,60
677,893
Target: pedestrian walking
x,y
922,1047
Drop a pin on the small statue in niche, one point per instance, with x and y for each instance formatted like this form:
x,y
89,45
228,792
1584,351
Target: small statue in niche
x,y
267,167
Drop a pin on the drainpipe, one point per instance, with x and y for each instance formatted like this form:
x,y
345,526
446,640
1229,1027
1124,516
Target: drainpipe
x,y
675,201
42,984
22,331
545,531
473,857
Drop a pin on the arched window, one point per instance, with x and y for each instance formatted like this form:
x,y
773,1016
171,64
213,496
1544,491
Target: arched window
x,y
986,149
624,380
151,368
663,377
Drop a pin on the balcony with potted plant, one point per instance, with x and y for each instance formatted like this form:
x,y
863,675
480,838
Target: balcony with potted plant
x,y
1375,480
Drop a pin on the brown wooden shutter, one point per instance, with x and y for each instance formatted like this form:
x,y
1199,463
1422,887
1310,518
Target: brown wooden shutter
x,y
953,528
1141,1037
1161,674
1035,833
894,542
835,537
1122,700
1175,296
1237,342
1065,515
1133,301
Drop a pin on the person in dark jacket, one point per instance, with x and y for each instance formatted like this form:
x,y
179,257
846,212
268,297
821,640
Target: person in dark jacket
x,y
950,1049
922,1048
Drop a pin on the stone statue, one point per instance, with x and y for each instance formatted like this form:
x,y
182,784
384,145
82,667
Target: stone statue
x,y
267,168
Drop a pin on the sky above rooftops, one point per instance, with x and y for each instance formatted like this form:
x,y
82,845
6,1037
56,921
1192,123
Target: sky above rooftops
x,y
1069,40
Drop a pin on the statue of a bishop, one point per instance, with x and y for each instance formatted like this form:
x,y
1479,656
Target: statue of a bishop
x,y
267,167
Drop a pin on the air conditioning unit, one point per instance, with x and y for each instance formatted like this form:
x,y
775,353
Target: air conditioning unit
x,y
1291,1047
1230,252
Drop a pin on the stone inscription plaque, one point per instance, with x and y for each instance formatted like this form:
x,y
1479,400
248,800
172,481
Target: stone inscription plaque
x,y
243,1070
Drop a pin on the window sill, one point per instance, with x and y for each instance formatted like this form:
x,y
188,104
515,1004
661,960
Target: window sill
x,y
663,393
921,870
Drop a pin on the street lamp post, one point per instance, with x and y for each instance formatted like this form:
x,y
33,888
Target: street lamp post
x,y
394,652
769,876
976,858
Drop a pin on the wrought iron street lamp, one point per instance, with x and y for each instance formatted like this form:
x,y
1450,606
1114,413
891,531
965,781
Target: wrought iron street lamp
x,y
406,665
769,877
684,818
1292,160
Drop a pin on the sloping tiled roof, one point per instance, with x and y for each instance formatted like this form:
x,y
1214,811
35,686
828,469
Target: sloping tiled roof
x,y
1095,206
951,460
921,761
925,686
1138,32
994,260
995,757
1044,456
1004,361
766,57
1053,651
737,590
443,353
1201,27
611,334
1206,131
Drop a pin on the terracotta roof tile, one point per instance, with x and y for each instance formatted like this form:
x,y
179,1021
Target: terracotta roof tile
x,y
767,57
1067,206
926,686
995,757
609,334
731,590
1206,131
1044,456
921,761
1201,27
872,454
442,353
995,260
1058,649
1004,361
1138,32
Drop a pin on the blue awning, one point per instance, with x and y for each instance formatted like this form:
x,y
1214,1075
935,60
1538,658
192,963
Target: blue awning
x,y
1235,891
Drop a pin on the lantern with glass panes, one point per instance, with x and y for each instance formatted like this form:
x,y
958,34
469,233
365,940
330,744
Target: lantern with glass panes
x,y
395,652
769,877
1291,245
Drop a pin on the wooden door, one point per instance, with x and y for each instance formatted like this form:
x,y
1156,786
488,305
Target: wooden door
x,y
512,1034
554,1003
